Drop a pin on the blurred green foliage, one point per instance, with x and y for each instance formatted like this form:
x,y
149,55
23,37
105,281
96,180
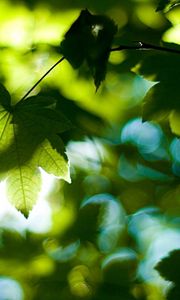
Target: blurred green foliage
x,y
105,235
165,267
167,4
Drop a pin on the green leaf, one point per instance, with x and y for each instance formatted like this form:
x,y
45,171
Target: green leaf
x,y
166,266
174,121
95,213
29,140
89,39
120,267
163,97
40,113
159,66
115,292
169,268
85,123
103,30
166,5
162,5
174,293
20,250
5,98
73,47
160,100
52,158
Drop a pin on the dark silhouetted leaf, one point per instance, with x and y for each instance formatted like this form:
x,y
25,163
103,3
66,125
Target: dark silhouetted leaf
x,y
40,114
96,215
24,247
169,268
174,293
114,292
89,39
120,267
103,30
5,98
84,123
164,95
75,43
166,266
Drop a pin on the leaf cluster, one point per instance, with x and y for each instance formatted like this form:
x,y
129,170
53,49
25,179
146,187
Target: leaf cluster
x,y
125,177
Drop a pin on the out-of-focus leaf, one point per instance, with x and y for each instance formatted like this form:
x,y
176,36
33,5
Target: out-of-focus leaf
x,y
97,214
84,123
88,216
163,96
103,30
135,171
10,288
160,100
76,39
54,286
5,98
24,247
174,293
120,267
162,4
169,267
159,67
89,39
29,140
166,5
114,292
174,120
40,114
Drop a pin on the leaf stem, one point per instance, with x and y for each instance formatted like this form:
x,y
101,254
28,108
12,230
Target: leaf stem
x,y
145,46
33,87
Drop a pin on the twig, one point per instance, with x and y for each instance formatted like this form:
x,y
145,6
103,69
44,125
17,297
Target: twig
x,y
33,87
145,46
139,46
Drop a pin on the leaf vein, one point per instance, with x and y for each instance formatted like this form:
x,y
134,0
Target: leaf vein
x,y
20,168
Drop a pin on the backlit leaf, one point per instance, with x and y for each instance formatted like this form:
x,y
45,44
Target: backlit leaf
x,y
29,140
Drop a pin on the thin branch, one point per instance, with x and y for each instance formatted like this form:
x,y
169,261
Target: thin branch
x,y
33,87
145,46
139,46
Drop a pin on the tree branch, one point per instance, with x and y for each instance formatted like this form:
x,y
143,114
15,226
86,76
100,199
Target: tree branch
x,y
145,46
139,46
